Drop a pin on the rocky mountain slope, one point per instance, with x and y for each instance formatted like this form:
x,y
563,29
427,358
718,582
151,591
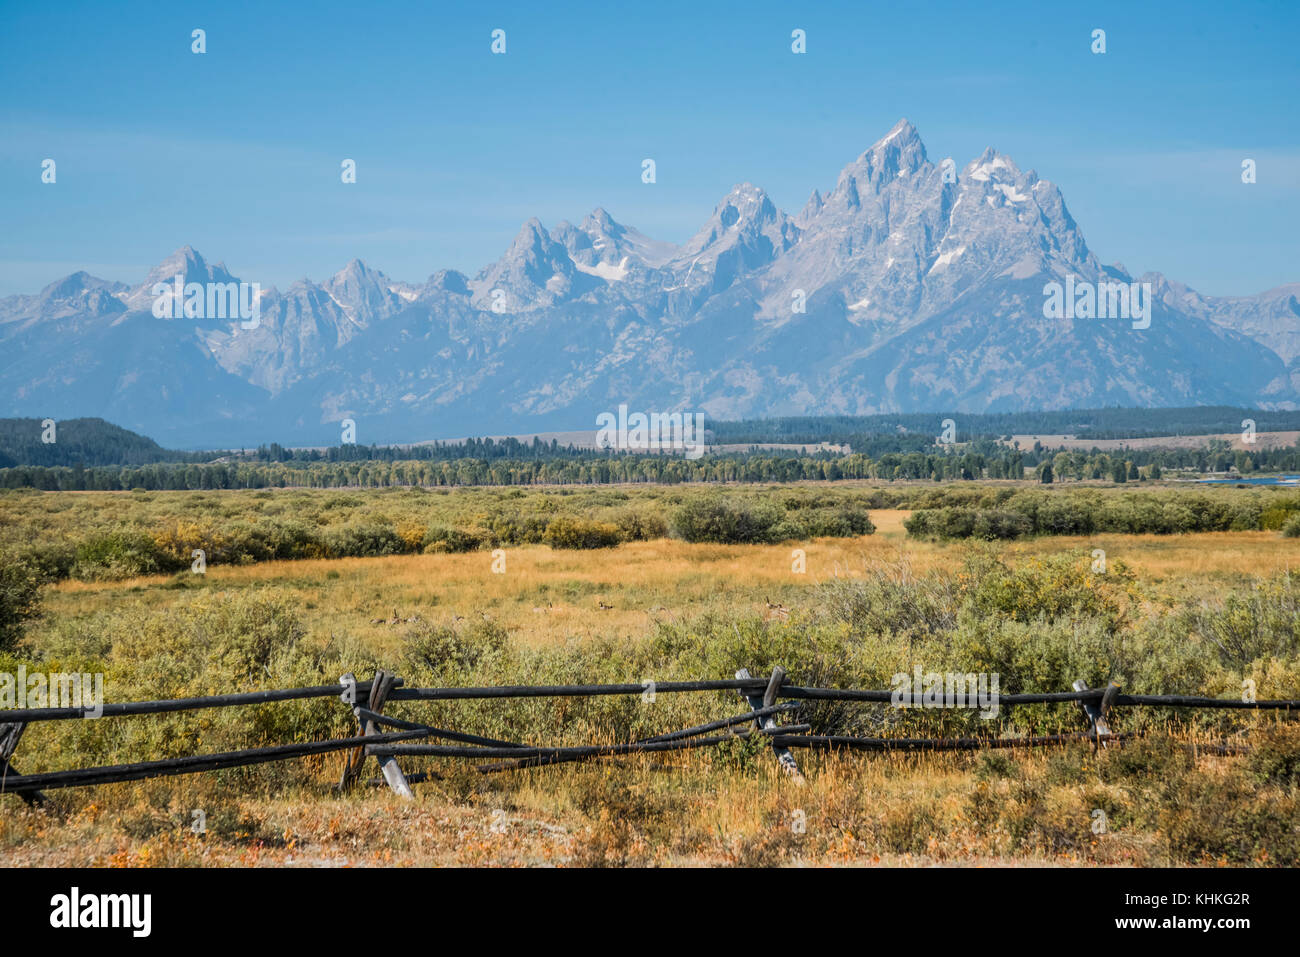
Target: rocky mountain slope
x,y
907,286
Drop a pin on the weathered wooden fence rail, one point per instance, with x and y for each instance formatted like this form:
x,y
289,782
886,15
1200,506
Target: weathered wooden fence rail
x,y
767,699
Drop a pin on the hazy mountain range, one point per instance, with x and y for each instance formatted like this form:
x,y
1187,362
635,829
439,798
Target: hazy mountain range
x,y
919,294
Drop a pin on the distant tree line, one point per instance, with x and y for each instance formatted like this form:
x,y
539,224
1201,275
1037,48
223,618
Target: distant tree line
x,y
92,442
609,469
487,449
91,454
859,431
977,461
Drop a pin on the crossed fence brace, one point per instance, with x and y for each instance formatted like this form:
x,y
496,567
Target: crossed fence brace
x,y
1098,711
761,696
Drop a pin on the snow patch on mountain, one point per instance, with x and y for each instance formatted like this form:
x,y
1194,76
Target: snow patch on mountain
x,y
895,290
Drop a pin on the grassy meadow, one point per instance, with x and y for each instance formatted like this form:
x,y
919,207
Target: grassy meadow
x,y
492,586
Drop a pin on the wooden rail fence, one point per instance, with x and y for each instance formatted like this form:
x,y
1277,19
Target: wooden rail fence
x,y
767,699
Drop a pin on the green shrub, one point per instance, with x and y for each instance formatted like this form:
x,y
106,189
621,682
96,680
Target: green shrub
x,y
1263,623
892,602
1058,586
922,523
279,540
640,525
993,524
844,521
952,522
955,522
1059,515
517,529
20,587
49,561
441,539
362,541
449,655
123,553
1278,513
944,513
566,532
728,521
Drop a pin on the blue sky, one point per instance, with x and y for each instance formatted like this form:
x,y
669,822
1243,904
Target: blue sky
x,y
237,151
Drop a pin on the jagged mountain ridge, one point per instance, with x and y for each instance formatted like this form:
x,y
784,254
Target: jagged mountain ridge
x,y
920,292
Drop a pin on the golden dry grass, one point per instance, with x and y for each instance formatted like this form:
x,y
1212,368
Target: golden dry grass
x,y
681,809
547,595
891,810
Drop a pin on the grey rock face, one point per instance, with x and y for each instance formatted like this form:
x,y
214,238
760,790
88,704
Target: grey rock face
x,y
910,285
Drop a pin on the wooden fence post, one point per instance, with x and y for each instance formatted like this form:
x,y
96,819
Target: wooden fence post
x,y
1098,712
9,735
379,688
766,700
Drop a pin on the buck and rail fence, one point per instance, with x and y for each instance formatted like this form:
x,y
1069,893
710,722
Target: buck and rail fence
x,y
767,699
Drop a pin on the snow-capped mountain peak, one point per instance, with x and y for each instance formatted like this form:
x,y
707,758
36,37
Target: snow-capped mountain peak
x,y
895,290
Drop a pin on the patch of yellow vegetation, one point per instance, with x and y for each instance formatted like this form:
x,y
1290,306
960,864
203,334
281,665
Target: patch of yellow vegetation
x,y
547,595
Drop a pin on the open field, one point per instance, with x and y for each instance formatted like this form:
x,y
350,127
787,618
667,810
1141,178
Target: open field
x,y
548,595
1194,613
